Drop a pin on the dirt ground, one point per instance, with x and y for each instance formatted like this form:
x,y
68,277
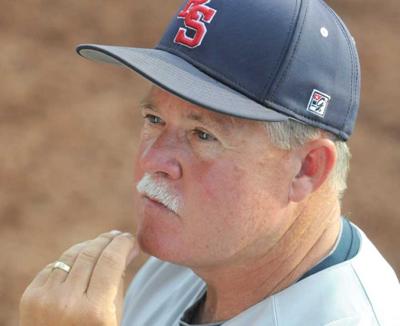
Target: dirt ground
x,y
68,128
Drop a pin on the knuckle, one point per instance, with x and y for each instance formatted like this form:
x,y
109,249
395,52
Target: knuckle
x,y
33,301
71,252
79,246
125,241
111,258
88,255
67,257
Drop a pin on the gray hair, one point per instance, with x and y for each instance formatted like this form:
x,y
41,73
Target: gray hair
x,y
290,134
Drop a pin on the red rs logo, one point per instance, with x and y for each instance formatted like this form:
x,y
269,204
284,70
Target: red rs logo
x,y
195,14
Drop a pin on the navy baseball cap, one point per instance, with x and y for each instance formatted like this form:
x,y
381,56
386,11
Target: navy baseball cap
x,y
267,60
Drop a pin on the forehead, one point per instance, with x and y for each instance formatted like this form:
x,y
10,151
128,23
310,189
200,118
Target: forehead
x,y
158,99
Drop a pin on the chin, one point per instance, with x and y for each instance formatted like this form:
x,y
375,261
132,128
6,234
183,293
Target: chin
x,y
162,241
174,250
161,250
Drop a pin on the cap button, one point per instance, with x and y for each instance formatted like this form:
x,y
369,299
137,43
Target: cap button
x,y
324,32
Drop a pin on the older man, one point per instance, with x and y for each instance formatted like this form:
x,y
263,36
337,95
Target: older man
x,y
241,168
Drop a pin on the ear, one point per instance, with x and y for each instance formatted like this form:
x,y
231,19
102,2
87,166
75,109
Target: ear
x,y
316,160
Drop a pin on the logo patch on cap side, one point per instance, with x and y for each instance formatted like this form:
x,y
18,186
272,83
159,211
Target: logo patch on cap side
x,y
318,103
195,14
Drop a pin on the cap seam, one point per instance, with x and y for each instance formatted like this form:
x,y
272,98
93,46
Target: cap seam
x,y
284,73
280,61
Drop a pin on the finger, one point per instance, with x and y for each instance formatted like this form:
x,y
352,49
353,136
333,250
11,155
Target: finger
x,y
41,277
82,269
110,267
68,257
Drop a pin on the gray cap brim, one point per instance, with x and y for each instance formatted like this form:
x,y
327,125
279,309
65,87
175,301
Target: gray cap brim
x,y
181,78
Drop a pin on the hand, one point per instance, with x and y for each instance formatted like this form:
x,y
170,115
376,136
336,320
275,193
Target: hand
x,y
90,294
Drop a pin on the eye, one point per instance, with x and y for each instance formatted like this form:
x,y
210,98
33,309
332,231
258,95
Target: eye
x,y
153,119
203,135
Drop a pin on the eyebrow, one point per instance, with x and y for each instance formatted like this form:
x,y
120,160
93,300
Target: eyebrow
x,y
196,117
223,123
146,103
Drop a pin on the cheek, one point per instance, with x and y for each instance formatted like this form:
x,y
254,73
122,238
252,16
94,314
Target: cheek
x,y
215,179
219,188
239,197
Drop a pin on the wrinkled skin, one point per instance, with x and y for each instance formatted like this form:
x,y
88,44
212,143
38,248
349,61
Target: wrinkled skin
x,y
232,181
90,294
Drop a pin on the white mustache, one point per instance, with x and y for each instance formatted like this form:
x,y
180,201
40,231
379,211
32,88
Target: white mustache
x,y
159,190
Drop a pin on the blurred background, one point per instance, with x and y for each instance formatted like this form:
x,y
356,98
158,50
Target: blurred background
x,y
69,128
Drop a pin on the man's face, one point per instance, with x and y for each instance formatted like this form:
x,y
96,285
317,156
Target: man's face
x,y
230,185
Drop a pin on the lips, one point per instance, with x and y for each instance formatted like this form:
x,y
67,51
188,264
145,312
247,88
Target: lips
x,y
154,203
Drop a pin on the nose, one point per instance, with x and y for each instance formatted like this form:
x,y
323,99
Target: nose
x,y
161,157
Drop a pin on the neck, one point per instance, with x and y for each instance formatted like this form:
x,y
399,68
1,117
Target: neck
x,y
233,289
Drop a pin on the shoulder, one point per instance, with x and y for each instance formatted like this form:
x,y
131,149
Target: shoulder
x,y
364,288
378,280
361,291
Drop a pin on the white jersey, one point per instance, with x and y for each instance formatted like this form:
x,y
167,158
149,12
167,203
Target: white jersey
x,y
361,291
